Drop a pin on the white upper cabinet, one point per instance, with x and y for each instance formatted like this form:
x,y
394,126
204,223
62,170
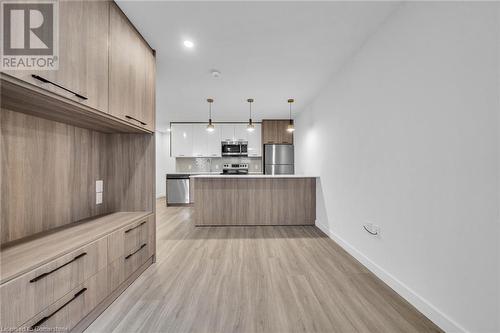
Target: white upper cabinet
x,y
182,140
214,147
255,141
193,140
200,144
206,144
240,132
227,132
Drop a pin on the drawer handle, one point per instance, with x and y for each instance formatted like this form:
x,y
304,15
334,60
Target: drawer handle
x,y
44,319
44,80
39,277
137,226
130,255
132,118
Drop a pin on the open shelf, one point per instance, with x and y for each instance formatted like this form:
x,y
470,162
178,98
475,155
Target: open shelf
x,y
26,254
20,96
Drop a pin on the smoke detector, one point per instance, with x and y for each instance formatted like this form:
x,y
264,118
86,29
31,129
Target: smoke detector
x,y
215,73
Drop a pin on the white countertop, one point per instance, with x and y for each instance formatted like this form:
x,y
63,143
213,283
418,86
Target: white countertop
x,y
252,176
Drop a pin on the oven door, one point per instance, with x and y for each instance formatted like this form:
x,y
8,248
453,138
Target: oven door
x,y
231,149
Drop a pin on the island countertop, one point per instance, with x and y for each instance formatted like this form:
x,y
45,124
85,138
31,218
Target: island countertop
x,y
252,176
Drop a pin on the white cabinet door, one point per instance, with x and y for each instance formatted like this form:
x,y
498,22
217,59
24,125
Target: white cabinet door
x,y
182,140
200,140
227,132
214,148
240,132
255,142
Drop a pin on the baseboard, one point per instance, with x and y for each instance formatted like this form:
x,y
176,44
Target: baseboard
x,y
420,303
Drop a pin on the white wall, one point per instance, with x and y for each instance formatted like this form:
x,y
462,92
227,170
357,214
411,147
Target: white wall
x,y
406,136
164,163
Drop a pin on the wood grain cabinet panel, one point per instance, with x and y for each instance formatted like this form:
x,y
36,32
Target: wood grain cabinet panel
x,y
274,132
129,248
73,307
83,55
36,290
131,73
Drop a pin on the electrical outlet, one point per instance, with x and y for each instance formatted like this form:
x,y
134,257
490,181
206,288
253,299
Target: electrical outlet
x,y
98,198
99,185
372,229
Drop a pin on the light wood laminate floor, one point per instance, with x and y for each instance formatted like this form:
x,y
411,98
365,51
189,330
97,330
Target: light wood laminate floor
x,y
254,279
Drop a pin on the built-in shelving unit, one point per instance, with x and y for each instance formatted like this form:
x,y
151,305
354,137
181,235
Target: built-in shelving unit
x,y
64,254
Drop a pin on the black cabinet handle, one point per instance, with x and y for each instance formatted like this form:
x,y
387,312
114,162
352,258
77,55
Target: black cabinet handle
x,y
137,226
44,319
44,80
39,277
130,255
132,118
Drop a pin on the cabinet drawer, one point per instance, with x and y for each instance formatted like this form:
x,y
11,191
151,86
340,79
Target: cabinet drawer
x,y
126,240
120,269
129,248
34,291
72,307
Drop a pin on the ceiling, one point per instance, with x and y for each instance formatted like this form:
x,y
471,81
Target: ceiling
x,y
269,51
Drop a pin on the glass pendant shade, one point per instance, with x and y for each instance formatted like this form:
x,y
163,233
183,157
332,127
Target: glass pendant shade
x,y
210,126
290,128
250,126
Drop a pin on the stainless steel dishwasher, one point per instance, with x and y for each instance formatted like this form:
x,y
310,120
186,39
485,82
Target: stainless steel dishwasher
x,y
177,189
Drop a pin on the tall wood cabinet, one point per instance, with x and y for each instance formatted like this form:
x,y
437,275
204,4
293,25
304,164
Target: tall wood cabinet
x,y
274,132
131,72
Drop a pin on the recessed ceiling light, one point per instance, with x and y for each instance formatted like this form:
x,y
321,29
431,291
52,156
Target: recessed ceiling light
x,y
189,44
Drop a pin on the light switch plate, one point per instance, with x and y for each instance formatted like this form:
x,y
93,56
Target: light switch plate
x,y
99,184
98,198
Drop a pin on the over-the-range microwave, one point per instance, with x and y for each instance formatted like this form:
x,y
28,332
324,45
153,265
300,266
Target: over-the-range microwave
x,y
234,148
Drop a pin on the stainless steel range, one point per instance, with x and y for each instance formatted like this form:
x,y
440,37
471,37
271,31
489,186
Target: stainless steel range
x,y
235,169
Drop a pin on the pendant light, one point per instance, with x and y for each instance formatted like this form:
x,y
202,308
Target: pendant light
x,y
250,126
290,128
210,126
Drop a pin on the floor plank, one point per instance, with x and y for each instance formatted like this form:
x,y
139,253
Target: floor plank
x,y
254,279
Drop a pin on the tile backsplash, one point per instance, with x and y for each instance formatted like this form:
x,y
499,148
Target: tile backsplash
x,y
205,164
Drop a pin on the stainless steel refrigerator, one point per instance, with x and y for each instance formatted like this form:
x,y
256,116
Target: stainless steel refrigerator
x,y
278,160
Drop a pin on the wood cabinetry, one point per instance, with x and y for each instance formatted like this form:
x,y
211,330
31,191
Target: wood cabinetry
x,y
131,72
63,291
274,132
83,55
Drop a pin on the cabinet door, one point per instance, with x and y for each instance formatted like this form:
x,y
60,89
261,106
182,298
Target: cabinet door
x,y
227,132
240,132
283,135
269,132
255,142
181,140
149,110
214,142
128,69
83,55
200,140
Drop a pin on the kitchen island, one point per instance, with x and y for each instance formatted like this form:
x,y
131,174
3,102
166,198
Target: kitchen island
x,y
254,200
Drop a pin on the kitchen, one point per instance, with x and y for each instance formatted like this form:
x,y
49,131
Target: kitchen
x,y
250,166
